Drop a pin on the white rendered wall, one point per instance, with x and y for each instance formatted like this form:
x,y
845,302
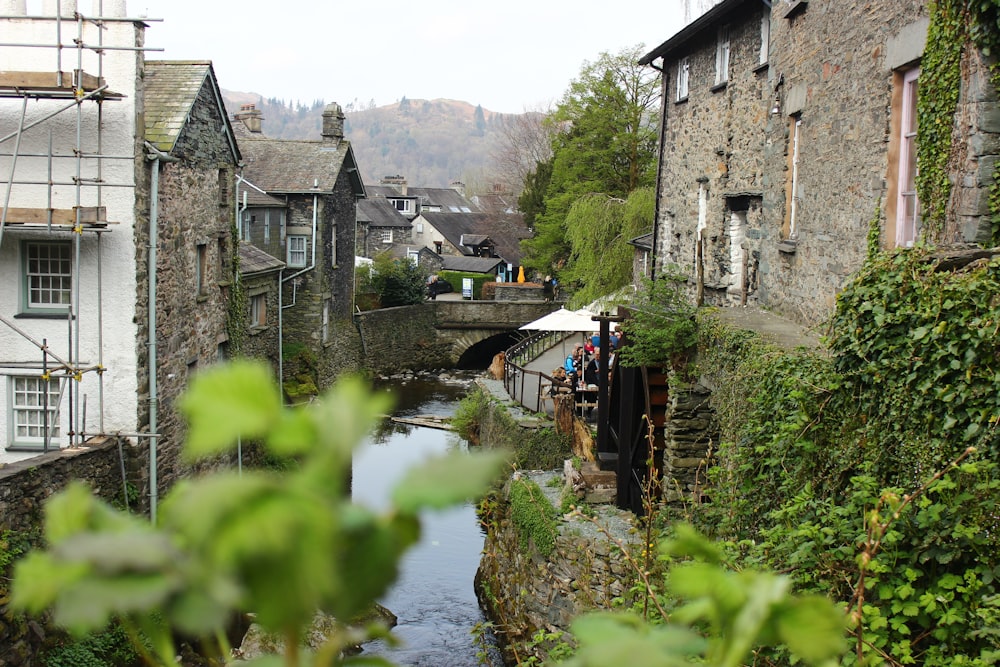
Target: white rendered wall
x,y
118,266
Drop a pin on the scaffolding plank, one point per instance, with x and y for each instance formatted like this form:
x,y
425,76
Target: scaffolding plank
x,y
46,80
89,215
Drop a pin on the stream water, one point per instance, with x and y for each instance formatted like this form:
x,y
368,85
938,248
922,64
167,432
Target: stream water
x,y
433,598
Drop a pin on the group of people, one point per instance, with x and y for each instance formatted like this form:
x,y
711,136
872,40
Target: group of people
x,y
584,362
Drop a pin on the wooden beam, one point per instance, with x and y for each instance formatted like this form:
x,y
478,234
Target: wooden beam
x,y
64,217
46,80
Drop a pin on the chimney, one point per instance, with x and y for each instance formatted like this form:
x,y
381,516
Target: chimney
x,y
398,182
251,117
459,187
333,123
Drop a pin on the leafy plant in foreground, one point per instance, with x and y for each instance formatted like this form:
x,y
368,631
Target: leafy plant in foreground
x,y
280,544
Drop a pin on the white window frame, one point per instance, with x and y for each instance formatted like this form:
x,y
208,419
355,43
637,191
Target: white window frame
x,y
258,310
48,275
245,227
907,223
793,231
385,235
683,78
297,250
26,405
402,205
765,37
267,226
722,56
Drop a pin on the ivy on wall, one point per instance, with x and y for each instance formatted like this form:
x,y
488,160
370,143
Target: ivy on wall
x,y
953,25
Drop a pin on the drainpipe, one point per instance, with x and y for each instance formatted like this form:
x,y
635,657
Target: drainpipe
x,y
157,157
659,163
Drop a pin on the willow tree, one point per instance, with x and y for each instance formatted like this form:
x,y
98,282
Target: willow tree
x,y
598,229
605,143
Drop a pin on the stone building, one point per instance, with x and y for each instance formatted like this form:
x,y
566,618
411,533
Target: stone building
x,y
318,184
190,166
786,131
381,227
261,277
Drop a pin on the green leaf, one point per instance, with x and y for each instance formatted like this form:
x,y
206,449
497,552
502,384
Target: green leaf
x,y
445,481
227,402
812,628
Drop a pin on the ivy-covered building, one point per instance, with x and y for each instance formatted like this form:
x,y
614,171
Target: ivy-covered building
x,y
792,132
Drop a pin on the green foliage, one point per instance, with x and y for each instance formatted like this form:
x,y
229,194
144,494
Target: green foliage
x,y
662,331
725,615
599,228
534,516
940,84
469,415
13,545
398,282
454,278
606,144
282,544
542,449
922,344
109,647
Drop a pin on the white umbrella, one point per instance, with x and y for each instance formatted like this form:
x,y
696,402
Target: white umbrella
x,y
564,320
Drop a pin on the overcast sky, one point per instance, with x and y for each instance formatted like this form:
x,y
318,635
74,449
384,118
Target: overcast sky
x,y
507,55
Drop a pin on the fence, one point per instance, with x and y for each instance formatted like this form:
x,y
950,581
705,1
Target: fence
x,y
524,385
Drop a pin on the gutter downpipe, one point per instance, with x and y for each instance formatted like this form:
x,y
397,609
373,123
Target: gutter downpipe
x,y
240,212
157,157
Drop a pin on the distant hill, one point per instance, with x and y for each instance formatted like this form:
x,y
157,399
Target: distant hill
x,y
430,142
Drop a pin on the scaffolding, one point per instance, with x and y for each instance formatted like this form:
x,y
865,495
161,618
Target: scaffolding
x,y
74,185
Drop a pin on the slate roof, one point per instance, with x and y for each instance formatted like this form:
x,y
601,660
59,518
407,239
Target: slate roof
x,y
506,231
470,264
495,203
449,199
387,191
254,260
171,88
293,167
257,197
380,212
645,241
718,14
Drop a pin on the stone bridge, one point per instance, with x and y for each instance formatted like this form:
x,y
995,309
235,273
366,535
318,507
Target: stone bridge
x,y
444,334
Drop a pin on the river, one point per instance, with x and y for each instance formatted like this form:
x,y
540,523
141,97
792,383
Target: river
x,y
433,598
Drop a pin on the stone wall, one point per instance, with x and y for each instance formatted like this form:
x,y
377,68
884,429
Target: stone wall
x,y
691,431
24,487
400,338
195,247
524,592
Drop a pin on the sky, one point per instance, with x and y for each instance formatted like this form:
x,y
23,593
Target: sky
x,y
509,56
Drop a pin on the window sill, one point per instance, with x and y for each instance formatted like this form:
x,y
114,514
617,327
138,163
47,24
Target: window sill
x,y
258,330
29,315
797,7
38,449
719,86
201,298
761,68
681,100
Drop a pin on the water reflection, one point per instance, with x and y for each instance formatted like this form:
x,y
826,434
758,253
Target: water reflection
x,y
433,598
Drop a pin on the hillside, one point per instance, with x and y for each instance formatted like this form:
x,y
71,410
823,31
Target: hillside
x,y
430,142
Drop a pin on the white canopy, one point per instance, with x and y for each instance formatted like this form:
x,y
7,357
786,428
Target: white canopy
x,y
564,320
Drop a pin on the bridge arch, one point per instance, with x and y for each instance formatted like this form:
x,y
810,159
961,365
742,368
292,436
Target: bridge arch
x,y
476,351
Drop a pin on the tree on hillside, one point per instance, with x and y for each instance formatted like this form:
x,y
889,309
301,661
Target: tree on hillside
x,y
605,143
526,142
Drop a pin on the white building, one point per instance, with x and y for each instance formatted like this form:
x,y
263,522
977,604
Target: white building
x,y
68,165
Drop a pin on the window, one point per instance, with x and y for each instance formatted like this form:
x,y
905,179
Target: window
x,y
420,228
907,204
48,276
245,227
402,205
325,324
202,269
258,310
34,406
683,72
722,56
793,185
296,251
765,36
385,235
267,226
